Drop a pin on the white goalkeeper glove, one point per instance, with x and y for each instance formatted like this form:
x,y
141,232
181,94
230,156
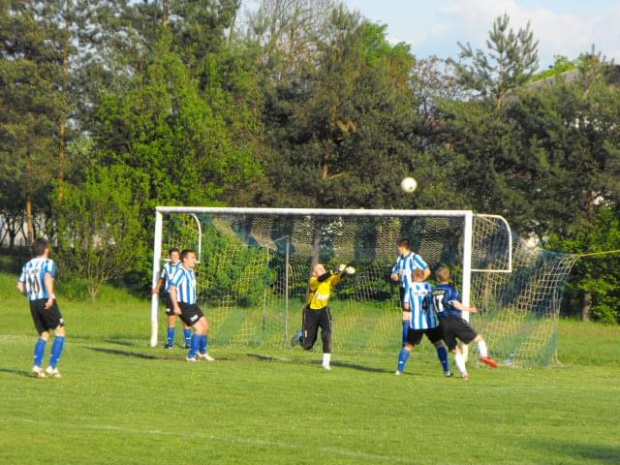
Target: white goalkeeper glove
x,y
339,269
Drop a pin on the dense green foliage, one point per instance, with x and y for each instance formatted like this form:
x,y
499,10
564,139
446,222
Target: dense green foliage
x,y
301,104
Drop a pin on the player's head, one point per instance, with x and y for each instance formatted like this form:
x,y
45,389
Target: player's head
x,y
318,270
403,246
174,255
443,274
40,247
418,275
188,257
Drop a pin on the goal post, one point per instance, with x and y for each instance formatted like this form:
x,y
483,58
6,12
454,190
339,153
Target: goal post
x,y
255,263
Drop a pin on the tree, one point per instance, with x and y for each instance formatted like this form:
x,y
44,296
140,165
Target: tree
x,y
100,232
511,61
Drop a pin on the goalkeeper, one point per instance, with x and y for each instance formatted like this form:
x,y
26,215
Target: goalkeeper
x,y
316,312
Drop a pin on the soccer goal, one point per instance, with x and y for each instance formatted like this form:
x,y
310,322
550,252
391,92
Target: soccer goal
x,y
255,264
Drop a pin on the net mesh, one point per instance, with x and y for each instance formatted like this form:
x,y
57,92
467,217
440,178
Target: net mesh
x,y
253,274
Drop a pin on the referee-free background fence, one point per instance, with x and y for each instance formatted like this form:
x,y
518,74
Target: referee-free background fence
x,y
254,267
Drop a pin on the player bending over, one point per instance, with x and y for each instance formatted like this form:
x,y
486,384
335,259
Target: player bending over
x,y
424,320
316,312
183,295
163,286
447,304
402,271
37,283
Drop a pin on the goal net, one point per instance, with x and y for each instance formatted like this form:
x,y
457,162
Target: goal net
x,y
254,265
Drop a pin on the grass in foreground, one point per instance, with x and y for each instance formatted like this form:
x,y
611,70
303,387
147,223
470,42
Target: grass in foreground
x,y
121,402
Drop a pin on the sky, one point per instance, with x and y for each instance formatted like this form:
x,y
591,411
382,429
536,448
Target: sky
x,y
562,27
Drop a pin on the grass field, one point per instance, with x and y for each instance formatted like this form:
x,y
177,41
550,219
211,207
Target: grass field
x,y
120,402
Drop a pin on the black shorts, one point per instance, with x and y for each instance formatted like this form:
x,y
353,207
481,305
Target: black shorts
x,y
414,336
455,327
190,313
401,293
45,319
312,321
165,296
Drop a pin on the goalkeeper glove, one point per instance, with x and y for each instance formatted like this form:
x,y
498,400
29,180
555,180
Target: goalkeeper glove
x,y
339,269
349,270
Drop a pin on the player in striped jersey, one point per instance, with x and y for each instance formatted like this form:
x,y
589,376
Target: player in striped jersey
x,y
424,320
317,313
402,271
449,308
37,283
163,287
183,294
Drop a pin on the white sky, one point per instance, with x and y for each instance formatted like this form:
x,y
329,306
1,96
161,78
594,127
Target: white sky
x,y
562,27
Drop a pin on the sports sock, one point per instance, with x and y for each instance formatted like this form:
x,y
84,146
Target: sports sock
x,y
326,359
405,331
39,351
460,362
403,356
482,349
204,341
170,335
442,353
57,347
188,336
194,345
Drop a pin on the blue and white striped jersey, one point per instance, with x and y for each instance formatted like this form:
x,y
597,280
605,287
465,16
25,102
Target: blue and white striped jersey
x,y
443,297
33,276
167,272
184,280
405,264
419,297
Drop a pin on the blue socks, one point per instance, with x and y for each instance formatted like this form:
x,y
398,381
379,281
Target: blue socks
x,y
203,344
188,336
194,345
442,353
171,336
39,351
59,344
405,331
402,359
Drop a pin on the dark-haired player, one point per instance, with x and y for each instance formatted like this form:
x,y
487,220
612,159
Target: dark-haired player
x,y
402,271
183,294
163,287
37,283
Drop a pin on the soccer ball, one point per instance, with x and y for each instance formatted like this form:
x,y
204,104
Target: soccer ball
x,y
408,185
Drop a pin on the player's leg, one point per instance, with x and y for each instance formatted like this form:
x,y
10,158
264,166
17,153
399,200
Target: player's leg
x,y
53,320
435,335
449,329
406,324
172,319
203,345
187,333
36,307
310,328
414,337
325,323
484,352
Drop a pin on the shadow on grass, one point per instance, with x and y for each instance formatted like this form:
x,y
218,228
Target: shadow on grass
x,y
352,366
120,343
125,353
598,453
26,374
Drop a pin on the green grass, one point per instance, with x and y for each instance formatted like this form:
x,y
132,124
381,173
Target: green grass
x,y
120,402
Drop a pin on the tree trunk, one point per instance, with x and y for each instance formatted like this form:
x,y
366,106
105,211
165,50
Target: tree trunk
x,y
165,18
29,221
586,306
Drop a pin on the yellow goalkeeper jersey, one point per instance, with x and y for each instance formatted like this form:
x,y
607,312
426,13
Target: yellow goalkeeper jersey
x,y
320,292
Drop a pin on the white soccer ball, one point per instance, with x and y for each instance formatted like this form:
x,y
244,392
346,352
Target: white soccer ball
x,y
408,185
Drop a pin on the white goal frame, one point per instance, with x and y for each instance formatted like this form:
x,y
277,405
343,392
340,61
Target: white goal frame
x,y
467,215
